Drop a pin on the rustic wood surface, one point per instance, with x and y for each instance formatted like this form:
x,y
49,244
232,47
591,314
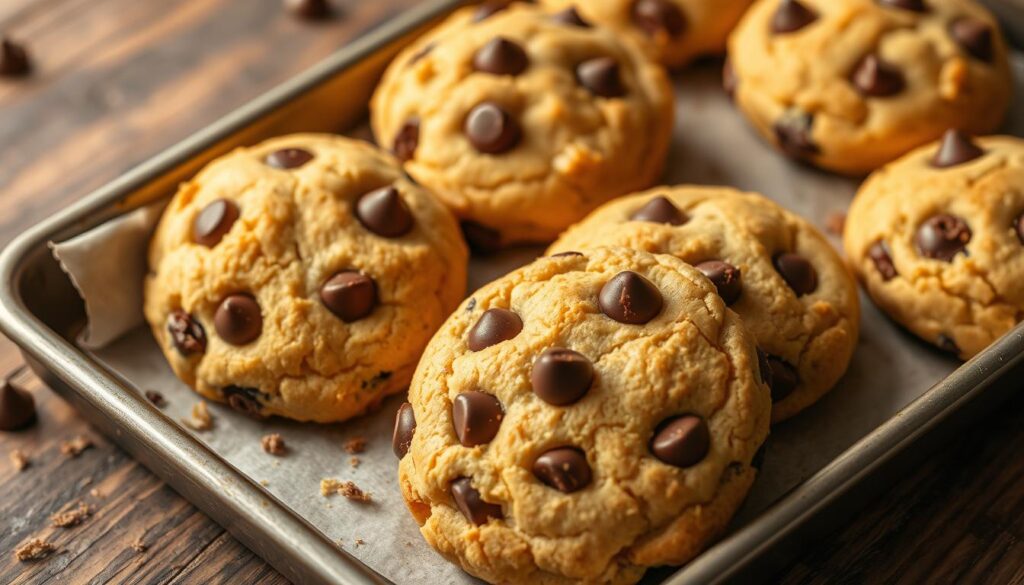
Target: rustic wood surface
x,y
118,80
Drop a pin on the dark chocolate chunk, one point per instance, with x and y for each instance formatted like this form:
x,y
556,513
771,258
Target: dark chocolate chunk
x,y
602,77
726,278
244,400
288,158
974,36
565,469
309,9
656,17
912,5
682,441
17,407
561,376
187,334
238,320
384,212
350,295
630,298
472,506
14,61
405,428
476,417
797,271
493,327
956,148
491,130
793,133
406,141
501,57
873,77
481,239
792,16
782,379
942,237
660,210
570,16
882,258
214,222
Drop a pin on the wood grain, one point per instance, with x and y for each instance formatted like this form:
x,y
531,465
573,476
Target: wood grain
x,y
117,81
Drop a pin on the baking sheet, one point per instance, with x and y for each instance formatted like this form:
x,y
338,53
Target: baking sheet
x,y
713,145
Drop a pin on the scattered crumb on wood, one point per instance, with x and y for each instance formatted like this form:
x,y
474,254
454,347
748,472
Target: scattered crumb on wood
x,y
354,461
139,546
274,444
835,222
156,398
355,445
346,489
96,493
19,460
34,550
75,446
72,517
201,419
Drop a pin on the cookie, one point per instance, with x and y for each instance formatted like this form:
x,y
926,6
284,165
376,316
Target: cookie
x,y
301,277
581,419
677,31
936,239
773,268
522,121
850,85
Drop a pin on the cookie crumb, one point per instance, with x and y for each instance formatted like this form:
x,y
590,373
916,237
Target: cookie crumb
x,y
835,222
139,546
360,542
75,446
73,517
156,398
355,445
346,489
19,460
264,483
273,444
34,550
354,461
96,493
201,419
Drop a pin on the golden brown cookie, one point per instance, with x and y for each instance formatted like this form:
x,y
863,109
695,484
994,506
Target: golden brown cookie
x,y
849,85
523,122
936,238
581,419
770,266
301,277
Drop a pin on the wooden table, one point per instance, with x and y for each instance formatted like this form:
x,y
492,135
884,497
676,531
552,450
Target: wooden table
x,y
119,80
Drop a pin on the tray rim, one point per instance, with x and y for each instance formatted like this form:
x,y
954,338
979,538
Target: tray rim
x,y
275,531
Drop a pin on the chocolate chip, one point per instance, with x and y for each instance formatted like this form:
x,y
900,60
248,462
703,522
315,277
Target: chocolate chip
x,y
565,469
630,298
187,334
476,417
682,441
601,76
660,210
946,344
383,212
17,407
942,237
487,9
472,506
792,16
729,80
288,158
405,428
974,36
238,320
481,239
571,17
873,77
308,9
244,400
956,148
406,141
914,5
561,376
1018,224
14,61
214,222
793,133
782,378
726,278
656,17
490,129
797,271
882,258
494,326
501,57
350,295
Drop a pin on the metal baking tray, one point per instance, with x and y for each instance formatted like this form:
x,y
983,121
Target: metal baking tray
x,y
42,313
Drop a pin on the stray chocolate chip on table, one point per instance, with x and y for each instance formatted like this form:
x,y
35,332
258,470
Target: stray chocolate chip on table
x,y
17,407
14,60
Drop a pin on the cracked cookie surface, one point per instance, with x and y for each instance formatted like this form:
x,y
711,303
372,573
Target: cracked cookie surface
x,y
301,277
581,419
522,122
938,242
849,85
772,267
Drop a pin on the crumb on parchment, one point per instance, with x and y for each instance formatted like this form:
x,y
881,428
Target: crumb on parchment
x,y
201,419
19,460
354,461
75,446
72,517
34,550
347,489
273,444
139,546
355,445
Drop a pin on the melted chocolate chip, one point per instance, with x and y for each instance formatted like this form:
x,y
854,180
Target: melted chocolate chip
x,y
682,441
493,327
660,210
384,212
782,377
481,239
726,278
630,298
912,5
561,376
472,506
797,271
407,140
288,158
955,149
476,417
882,258
602,77
873,77
942,237
405,428
17,407
793,133
349,295
238,320
244,400
571,17
565,469
501,57
658,17
974,36
14,61
491,130
214,222
729,80
187,334
792,16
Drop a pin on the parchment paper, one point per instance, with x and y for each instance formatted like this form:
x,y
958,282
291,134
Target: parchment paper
x,y
713,145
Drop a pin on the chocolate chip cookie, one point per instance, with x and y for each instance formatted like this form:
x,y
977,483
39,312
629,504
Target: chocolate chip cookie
x,y
849,85
773,268
581,419
301,277
937,239
676,30
523,121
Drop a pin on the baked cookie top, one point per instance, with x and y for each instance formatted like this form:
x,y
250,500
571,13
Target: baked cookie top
x,y
676,31
522,121
581,419
849,85
936,238
772,267
301,277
